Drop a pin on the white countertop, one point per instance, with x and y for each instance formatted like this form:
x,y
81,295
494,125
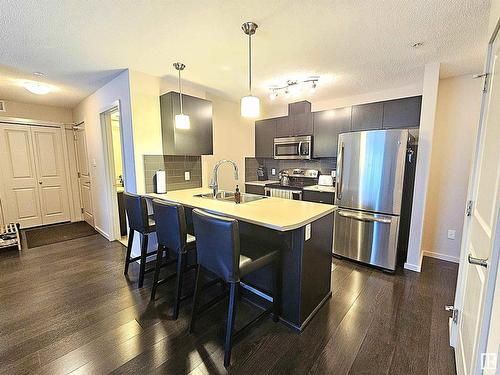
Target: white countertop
x,y
320,188
275,213
261,183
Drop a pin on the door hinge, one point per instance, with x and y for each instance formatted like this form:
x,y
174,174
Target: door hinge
x,y
81,209
486,77
454,313
468,209
79,174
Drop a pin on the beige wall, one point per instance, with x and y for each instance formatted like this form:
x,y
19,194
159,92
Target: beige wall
x,y
457,119
37,112
233,136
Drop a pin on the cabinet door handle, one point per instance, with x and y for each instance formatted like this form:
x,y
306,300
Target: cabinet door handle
x,y
40,182
478,261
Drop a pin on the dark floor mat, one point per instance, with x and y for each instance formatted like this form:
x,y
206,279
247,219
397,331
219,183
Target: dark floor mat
x,y
57,233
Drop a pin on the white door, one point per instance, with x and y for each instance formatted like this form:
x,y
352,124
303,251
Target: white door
x,y
480,244
84,174
50,168
20,182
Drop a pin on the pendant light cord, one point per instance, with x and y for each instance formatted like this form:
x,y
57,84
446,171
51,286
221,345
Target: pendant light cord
x,y
250,62
180,90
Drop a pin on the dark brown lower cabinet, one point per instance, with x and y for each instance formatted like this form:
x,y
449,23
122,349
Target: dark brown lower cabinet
x,y
318,196
254,189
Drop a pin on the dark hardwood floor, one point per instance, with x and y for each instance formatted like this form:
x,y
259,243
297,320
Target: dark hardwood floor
x,y
67,308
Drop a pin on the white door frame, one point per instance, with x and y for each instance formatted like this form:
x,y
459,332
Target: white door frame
x,y
493,263
109,161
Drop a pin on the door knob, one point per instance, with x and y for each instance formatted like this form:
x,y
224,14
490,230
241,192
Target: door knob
x,y
478,261
40,182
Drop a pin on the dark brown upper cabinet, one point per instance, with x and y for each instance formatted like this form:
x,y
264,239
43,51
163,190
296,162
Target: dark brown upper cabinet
x,y
402,113
367,116
265,131
327,127
298,122
198,139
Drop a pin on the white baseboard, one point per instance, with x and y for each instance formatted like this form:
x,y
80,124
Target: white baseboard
x,y
102,232
413,267
448,258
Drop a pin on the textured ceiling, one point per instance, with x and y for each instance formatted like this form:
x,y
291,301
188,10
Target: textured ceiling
x,y
356,46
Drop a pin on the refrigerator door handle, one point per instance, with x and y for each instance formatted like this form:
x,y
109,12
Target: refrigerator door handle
x,y
340,171
365,217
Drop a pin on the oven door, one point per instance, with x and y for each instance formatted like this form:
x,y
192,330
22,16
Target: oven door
x,y
292,148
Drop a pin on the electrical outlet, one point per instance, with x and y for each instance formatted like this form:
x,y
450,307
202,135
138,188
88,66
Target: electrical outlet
x,y
187,176
451,234
307,232
273,171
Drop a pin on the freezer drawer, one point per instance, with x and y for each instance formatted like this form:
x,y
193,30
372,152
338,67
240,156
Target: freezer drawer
x,y
366,237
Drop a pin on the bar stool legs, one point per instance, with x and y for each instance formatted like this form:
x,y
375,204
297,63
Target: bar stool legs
x,y
144,253
231,316
181,266
276,291
159,260
129,250
195,299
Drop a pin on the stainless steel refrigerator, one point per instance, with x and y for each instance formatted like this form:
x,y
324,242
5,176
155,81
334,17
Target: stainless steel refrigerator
x,y
369,190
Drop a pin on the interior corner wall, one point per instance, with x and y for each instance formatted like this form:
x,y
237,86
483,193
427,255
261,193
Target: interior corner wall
x,y
37,112
88,111
425,140
457,121
146,120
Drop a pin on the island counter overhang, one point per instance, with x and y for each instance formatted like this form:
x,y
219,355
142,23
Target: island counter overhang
x,y
302,231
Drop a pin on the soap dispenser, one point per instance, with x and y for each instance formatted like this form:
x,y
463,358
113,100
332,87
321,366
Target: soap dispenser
x,y
237,195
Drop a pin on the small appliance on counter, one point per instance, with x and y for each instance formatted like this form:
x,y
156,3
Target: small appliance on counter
x,y
262,173
325,180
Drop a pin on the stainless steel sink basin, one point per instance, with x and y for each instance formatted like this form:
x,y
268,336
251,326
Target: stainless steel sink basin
x,y
228,196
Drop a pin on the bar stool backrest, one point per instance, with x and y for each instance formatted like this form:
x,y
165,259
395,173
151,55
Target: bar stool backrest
x,y
137,212
217,244
170,221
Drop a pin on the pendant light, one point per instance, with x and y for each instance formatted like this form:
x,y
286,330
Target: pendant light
x,y
250,105
181,120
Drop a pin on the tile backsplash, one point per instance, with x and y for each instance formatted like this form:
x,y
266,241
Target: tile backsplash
x,y
324,165
175,167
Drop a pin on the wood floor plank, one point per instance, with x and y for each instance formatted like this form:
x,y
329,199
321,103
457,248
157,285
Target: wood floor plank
x,y
67,308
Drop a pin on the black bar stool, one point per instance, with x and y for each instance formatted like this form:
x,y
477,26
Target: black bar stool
x,y
138,221
173,238
218,249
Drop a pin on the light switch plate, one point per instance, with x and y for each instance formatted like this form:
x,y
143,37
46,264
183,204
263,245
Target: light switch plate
x,y
187,176
308,232
273,171
452,234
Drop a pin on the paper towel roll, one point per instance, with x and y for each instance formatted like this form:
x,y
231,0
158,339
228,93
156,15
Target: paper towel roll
x,y
161,182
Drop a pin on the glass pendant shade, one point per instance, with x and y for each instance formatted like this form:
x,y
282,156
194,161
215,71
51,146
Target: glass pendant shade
x,y
182,121
250,106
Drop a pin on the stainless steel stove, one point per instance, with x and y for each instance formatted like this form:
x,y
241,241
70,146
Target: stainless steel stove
x,y
291,183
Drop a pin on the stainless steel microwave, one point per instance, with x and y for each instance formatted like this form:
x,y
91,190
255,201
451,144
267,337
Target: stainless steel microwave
x,y
293,147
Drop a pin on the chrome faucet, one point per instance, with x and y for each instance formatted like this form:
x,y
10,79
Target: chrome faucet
x,y
214,185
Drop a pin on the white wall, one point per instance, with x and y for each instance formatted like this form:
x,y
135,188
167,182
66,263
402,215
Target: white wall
x,y
457,120
88,111
425,143
37,112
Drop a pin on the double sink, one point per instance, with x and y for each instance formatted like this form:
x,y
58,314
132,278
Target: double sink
x,y
228,196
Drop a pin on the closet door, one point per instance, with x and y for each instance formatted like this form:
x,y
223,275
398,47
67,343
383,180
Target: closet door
x,y
21,201
52,187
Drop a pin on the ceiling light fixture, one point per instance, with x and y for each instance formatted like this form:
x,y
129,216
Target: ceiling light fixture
x,y
36,87
294,87
250,105
181,120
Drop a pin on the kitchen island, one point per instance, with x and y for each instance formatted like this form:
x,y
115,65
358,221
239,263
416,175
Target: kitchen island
x,y
302,231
